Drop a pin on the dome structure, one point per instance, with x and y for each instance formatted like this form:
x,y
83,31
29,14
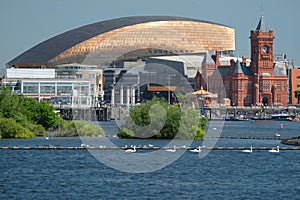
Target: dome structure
x,y
126,39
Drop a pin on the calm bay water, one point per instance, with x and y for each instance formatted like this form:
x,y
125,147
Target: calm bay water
x,y
76,174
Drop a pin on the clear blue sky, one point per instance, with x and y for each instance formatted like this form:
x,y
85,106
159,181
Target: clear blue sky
x,y
25,23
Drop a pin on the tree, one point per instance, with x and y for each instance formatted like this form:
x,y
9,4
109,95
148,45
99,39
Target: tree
x,y
297,95
167,121
40,112
10,105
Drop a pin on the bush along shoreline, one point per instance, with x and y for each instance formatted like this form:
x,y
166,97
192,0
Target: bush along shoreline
x,y
22,117
156,119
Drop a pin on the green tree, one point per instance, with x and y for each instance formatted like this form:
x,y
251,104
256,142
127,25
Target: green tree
x,y
40,112
10,105
179,123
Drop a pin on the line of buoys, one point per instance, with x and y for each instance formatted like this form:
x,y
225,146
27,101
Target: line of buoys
x,y
138,148
244,137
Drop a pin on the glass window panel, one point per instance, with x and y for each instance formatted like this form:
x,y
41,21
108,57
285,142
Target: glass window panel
x,y
30,88
64,88
47,88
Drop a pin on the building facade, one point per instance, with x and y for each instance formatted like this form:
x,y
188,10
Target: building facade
x,y
261,82
294,85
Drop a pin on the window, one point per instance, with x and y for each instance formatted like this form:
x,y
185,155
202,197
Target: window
x,y
64,88
92,76
78,75
65,75
283,86
248,99
248,85
47,88
30,88
278,86
278,98
298,77
298,86
266,85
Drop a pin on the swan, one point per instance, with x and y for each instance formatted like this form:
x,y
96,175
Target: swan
x,y
85,145
196,150
248,150
46,138
274,150
171,150
131,150
277,134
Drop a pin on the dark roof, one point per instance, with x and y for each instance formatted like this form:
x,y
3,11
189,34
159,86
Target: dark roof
x,y
222,70
45,51
241,68
262,25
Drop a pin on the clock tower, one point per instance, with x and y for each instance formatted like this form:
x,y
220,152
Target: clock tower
x,y
262,58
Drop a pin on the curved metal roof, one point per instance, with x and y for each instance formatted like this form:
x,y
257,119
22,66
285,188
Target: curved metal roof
x,y
45,51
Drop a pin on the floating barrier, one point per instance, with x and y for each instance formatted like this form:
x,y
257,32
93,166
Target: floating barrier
x,y
244,137
143,148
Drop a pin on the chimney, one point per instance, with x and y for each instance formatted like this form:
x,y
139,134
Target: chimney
x,y
232,63
244,59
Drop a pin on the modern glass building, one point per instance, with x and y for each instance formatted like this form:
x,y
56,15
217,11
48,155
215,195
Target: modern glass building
x,y
126,39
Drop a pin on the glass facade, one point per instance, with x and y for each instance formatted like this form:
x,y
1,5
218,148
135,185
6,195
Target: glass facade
x,y
47,88
150,39
31,88
59,92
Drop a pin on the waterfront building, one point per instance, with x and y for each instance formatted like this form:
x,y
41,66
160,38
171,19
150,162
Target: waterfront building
x,y
294,85
100,54
261,81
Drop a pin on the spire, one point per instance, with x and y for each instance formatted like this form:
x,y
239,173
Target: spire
x,y
238,68
207,59
262,25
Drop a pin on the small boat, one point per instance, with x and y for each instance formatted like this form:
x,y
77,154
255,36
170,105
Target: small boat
x,y
293,119
281,116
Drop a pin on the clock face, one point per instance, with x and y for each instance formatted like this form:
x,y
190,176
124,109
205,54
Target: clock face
x,y
265,49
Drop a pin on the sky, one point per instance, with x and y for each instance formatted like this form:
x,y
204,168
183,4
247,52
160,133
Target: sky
x,y
24,24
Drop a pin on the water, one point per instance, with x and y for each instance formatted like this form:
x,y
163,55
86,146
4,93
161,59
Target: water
x,y
67,174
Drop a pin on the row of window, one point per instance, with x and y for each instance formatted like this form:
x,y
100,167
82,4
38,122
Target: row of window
x,y
263,85
77,75
55,88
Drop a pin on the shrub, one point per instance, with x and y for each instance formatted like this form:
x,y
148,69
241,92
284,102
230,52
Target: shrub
x,y
9,128
180,123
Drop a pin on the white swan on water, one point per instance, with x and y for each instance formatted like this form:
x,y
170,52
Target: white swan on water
x,y
196,150
171,150
274,150
248,150
131,150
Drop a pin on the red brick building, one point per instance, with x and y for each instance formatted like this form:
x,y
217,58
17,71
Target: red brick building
x,y
259,83
295,85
